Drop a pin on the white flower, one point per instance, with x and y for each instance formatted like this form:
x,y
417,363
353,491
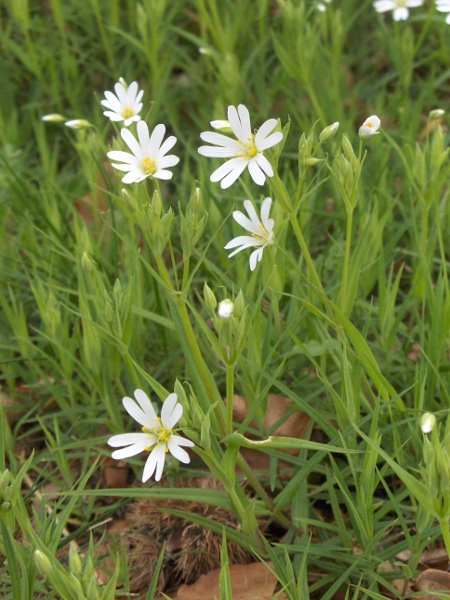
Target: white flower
x,y
400,7
157,436
261,231
225,309
427,422
370,127
125,105
444,6
148,158
246,151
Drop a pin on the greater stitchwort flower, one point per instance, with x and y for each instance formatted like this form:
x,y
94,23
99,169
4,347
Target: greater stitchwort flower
x,y
444,6
400,7
261,231
125,105
157,434
148,158
370,127
246,151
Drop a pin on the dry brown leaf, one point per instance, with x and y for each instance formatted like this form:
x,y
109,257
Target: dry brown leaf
x,y
115,473
399,584
432,580
296,426
248,582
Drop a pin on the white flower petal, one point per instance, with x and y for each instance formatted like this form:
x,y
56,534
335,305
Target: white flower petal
x,y
132,142
401,14
126,439
255,257
160,452
171,411
211,152
150,465
264,131
233,175
384,5
144,137
211,137
134,410
168,161
270,141
146,406
168,145
256,173
264,164
174,444
265,210
161,174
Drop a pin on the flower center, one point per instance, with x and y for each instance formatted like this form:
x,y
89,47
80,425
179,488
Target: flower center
x,y
127,113
162,433
400,3
263,235
247,149
148,166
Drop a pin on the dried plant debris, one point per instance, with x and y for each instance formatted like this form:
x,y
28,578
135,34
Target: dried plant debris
x,y
191,550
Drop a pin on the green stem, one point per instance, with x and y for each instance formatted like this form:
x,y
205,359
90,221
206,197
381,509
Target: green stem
x,y
305,251
348,243
195,354
444,525
230,399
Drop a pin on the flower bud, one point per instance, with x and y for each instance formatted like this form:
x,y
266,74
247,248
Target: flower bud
x,y
123,82
369,127
311,162
427,422
43,564
328,132
239,304
78,124
196,200
53,118
130,202
221,125
210,299
434,114
86,263
225,309
74,561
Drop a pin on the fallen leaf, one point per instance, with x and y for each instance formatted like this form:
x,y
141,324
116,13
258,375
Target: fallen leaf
x,y
248,582
295,425
432,580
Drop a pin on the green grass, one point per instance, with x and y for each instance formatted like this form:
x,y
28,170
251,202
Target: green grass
x,y
347,314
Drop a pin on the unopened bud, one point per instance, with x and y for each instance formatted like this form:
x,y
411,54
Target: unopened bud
x,y
427,422
74,561
436,114
43,564
53,118
86,263
225,309
221,125
156,203
78,124
196,200
328,132
130,202
210,299
123,82
311,162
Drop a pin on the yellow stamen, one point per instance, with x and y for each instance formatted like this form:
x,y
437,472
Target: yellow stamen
x,y
262,234
149,168
127,113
